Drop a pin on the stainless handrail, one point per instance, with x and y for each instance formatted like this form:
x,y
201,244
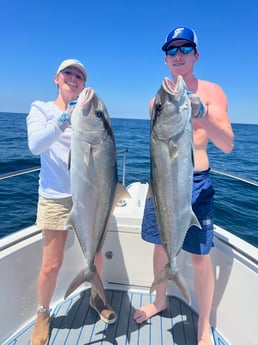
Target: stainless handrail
x,y
219,172
37,168
124,159
235,177
19,172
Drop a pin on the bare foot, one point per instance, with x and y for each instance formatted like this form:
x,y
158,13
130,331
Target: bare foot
x,y
146,312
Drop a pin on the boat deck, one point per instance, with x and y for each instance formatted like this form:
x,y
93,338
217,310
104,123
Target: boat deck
x,y
73,321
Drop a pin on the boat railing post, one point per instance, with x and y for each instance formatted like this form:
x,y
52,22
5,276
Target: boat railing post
x,y
124,159
123,202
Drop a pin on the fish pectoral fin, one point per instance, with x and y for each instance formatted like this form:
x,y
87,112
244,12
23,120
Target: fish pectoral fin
x,y
87,154
86,159
173,150
194,221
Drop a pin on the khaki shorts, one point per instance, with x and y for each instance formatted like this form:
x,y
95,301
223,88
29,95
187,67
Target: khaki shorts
x,y
52,213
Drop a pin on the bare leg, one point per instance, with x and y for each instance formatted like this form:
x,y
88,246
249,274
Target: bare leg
x,y
98,262
160,303
204,286
53,253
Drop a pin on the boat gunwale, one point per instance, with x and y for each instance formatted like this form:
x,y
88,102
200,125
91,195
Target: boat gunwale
x,y
245,249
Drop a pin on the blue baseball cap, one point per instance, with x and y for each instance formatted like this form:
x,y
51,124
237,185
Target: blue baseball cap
x,y
180,33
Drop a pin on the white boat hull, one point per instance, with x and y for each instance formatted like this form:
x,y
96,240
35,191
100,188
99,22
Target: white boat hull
x,y
128,266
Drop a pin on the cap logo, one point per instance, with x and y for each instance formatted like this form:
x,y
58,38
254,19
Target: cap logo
x,y
177,32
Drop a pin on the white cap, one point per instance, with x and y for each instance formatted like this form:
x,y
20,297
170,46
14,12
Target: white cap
x,y
73,63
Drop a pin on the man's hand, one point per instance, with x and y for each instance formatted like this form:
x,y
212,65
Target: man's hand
x,y
198,108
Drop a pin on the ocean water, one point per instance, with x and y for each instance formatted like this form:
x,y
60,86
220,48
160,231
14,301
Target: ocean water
x,y
236,202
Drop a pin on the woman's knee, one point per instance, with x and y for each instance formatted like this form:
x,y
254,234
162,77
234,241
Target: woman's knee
x,y
51,267
53,252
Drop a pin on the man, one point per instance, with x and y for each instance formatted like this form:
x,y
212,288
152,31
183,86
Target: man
x,y
210,122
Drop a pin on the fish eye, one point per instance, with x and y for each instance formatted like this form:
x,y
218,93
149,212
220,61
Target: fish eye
x,y
99,113
158,107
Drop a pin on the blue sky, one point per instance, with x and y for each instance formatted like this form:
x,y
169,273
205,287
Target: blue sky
x,y
120,44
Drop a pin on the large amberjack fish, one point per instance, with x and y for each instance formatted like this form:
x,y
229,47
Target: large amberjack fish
x,y
172,162
94,182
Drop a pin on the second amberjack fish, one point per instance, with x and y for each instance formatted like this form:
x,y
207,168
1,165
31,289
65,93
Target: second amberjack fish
x,y
172,162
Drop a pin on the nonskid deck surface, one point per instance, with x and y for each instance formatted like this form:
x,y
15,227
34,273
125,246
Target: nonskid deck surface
x,y
74,322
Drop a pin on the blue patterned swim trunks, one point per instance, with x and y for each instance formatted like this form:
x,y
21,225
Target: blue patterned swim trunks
x,y
197,241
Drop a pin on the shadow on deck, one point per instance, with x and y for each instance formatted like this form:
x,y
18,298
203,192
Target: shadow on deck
x,y
73,321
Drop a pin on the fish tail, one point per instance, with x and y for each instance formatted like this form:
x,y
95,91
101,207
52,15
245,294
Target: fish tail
x,y
168,274
178,279
76,282
91,276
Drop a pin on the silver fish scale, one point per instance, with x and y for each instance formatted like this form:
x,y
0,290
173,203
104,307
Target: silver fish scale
x,y
93,181
171,146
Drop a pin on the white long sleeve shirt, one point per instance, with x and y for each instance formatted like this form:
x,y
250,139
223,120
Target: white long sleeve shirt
x,y
46,139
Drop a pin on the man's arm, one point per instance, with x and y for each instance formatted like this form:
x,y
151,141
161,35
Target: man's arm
x,y
216,121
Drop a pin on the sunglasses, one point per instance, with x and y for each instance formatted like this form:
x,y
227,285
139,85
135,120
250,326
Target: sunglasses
x,y
185,49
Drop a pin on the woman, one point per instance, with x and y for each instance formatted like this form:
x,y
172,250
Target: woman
x,y
49,135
